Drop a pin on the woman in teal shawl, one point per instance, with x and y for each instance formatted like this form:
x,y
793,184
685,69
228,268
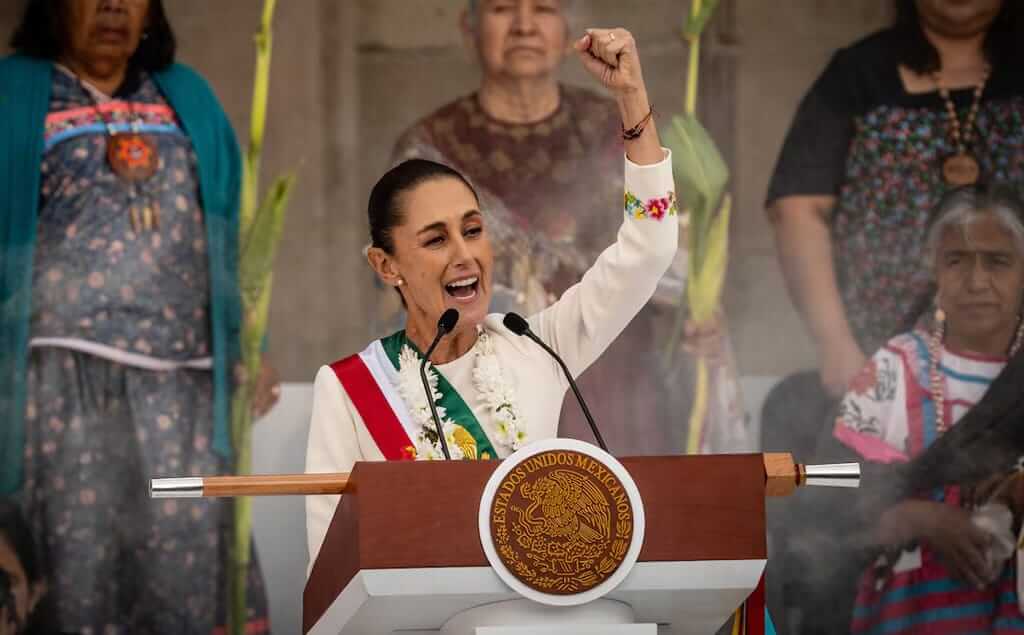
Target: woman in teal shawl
x,y
119,313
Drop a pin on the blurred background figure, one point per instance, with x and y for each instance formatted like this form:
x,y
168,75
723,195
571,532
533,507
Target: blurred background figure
x,y
939,560
892,123
120,322
541,154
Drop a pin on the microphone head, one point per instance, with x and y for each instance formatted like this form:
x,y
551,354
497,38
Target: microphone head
x,y
448,321
516,323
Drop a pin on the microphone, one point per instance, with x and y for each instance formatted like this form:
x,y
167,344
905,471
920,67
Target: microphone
x,y
444,326
515,323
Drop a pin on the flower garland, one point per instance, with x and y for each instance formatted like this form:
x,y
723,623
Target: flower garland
x,y
427,444
496,393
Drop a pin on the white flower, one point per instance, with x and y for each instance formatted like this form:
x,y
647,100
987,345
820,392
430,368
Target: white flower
x,y
498,396
410,386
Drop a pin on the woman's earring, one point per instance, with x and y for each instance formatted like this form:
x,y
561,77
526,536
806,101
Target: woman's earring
x,y
400,282
938,331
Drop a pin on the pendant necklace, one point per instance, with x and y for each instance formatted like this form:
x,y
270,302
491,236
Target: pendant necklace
x,y
962,167
133,157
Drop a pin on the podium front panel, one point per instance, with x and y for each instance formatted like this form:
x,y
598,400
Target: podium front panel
x,y
422,514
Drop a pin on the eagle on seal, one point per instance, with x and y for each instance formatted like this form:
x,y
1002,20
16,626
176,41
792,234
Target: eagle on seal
x,y
568,508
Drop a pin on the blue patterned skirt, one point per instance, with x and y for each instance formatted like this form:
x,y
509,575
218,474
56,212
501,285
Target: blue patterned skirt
x,y
119,562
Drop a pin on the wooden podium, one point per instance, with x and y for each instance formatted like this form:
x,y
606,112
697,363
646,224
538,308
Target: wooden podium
x,y
403,551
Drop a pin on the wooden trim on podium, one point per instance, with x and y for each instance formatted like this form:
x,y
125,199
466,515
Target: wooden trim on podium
x,y
413,514
782,474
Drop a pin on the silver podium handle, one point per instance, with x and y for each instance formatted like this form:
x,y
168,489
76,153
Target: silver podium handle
x,y
832,475
187,487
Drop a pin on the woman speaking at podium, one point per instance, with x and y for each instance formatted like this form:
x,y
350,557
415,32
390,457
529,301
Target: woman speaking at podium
x,y
494,391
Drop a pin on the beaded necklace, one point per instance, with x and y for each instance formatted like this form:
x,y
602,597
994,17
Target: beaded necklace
x,y
935,374
961,168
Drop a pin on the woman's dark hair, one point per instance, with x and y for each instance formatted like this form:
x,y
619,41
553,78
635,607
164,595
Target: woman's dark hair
x,y
43,33
385,207
1004,42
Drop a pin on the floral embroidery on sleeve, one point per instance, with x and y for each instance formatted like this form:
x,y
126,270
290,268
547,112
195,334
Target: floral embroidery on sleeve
x,y
870,396
655,208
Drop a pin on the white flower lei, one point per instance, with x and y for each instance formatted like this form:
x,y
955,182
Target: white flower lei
x,y
498,395
495,393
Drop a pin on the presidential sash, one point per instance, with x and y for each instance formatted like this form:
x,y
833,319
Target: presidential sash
x,y
371,381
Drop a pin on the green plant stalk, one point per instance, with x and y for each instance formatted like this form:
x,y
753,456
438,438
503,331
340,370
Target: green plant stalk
x,y
258,115
254,325
708,243
261,81
693,66
699,220
254,322
242,547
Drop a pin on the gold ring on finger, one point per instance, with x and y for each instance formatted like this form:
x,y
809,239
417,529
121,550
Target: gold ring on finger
x,y
611,37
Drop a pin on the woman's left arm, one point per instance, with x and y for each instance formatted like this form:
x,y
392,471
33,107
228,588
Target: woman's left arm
x,y
611,56
592,313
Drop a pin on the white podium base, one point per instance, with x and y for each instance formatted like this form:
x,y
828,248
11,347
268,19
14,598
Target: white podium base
x,y
523,617
683,598
581,629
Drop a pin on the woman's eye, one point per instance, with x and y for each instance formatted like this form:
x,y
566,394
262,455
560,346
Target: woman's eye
x,y
434,242
473,232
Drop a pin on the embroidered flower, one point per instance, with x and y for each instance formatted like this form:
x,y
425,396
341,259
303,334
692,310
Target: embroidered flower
x,y
655,208
633,205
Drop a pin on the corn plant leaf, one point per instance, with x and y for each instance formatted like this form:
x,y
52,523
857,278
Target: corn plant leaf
x,y
260,241
697,22
704,290
260,227
699,170
700,175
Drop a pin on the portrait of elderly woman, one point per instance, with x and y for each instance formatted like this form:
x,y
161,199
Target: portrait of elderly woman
x,y
119,314
544,157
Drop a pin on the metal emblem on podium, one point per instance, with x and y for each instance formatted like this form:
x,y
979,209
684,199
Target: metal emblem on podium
x,y
561,522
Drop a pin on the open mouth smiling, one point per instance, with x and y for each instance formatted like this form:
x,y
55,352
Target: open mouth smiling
x,y
463,289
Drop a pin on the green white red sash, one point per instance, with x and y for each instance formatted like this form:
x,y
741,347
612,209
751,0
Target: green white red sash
x,y
371,378
369,381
